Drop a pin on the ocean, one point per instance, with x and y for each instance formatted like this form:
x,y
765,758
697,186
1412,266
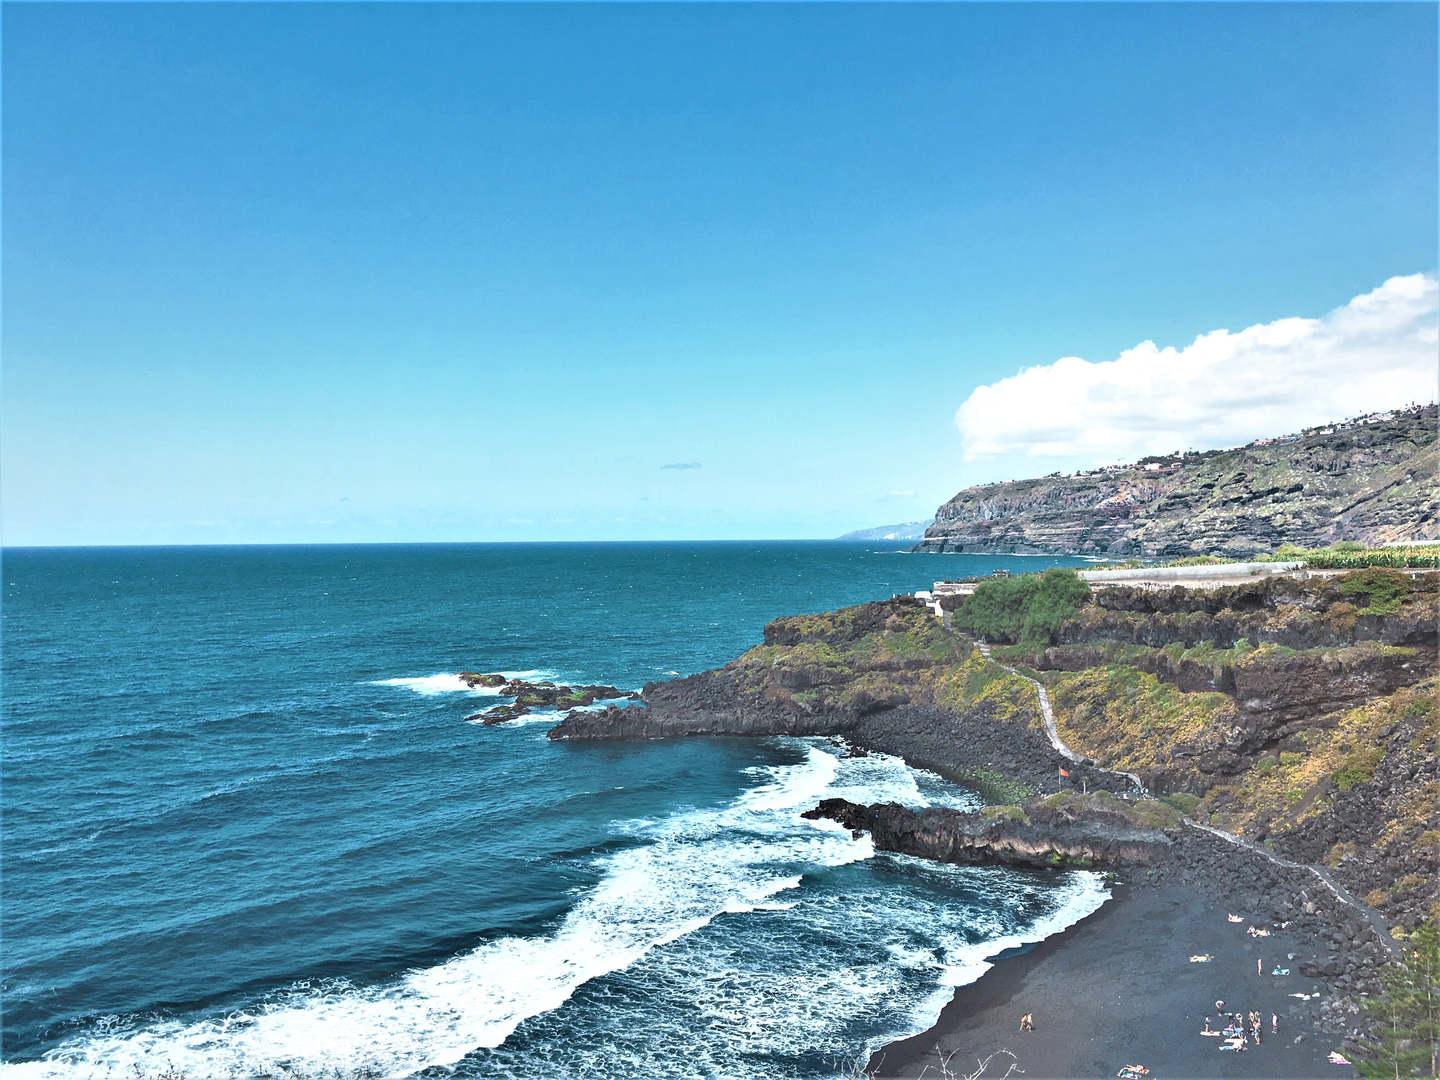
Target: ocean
x,y
249,832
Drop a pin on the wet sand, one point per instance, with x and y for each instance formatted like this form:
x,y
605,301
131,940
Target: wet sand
x,y
1118,988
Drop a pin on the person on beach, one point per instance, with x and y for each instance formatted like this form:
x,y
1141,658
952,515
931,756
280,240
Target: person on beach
x,y
1274,1023
1027,1022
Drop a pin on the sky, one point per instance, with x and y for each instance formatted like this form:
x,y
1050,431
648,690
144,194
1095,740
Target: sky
x,y
324,273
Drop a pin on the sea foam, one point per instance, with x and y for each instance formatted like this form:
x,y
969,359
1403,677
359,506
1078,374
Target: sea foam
x,y
695,866
449,682
688,869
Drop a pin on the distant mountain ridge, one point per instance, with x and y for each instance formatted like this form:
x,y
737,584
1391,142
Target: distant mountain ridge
x,y
1371,479
909,530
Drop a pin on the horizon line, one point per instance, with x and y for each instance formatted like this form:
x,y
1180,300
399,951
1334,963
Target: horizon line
x,y
438,543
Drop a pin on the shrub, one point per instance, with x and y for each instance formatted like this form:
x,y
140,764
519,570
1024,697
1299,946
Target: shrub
x,y
1379,590
1027,609
1182,801
1357,768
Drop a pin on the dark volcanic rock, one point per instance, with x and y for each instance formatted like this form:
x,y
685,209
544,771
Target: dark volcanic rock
x,y
498,714
535,695
1372,481
978,839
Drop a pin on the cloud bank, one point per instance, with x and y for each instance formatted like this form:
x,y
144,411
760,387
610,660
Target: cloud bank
x,y
1377,352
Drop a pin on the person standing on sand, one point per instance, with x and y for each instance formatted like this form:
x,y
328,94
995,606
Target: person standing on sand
x,y
1027,1022
1274,1023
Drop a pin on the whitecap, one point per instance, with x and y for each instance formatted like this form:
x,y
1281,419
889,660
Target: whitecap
x,y
692,867
697,865
449,682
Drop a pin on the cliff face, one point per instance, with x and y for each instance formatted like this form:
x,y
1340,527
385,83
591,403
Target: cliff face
x,y
1302,714
885,676
1373,482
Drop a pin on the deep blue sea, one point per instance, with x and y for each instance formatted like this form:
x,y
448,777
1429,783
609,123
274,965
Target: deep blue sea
x,y
248,831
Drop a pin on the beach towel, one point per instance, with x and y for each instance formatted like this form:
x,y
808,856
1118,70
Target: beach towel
x,y
1201,958
1256,931
1337,1058
1280,971
1234,918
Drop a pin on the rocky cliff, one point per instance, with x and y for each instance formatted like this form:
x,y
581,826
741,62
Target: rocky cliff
x,y
1372,481
1300,714
885,676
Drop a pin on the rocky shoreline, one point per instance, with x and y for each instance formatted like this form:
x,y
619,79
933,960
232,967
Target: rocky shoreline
x,y
1338,945
1296,712
529,696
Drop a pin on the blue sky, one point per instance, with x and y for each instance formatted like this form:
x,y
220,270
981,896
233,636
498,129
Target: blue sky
x,y
323,273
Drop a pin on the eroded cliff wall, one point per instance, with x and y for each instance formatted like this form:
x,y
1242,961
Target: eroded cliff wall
x,y
1373,482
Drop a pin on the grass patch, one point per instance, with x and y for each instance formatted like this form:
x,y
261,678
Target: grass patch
x,y
1130,719
996,788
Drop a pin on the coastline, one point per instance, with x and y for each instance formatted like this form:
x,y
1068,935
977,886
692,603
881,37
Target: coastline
x,y
1117,988
886,676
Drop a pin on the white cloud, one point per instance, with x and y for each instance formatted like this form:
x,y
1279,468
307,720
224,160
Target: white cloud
x,y
1223,389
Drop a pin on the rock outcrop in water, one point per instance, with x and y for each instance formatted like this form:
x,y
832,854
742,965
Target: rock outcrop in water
x,y
535,695
1372,481
1043,834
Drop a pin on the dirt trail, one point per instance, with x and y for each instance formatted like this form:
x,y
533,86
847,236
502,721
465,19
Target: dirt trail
x,y
1372,917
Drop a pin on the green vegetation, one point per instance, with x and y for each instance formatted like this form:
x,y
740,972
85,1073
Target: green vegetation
x,y
1379,590
1141,813
1348,555
1405,1040
852,660
1008,812
1182,801
1358,768
996,788
1128,718
977,682
1027,609
1287,789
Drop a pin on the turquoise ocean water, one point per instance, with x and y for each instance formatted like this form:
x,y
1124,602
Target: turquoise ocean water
x,y
247,830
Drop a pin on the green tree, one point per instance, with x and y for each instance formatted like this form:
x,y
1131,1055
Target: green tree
x,y
1405,1039
1027,609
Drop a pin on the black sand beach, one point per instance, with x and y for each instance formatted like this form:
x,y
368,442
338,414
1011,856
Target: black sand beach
x,y
1118,988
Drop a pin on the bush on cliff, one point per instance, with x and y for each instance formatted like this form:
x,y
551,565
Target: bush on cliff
x,y
1026,610
1379,590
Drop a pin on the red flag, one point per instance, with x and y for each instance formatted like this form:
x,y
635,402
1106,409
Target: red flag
x,y
1065,775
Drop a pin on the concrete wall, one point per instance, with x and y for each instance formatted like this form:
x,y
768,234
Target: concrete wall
x,y
1190,573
